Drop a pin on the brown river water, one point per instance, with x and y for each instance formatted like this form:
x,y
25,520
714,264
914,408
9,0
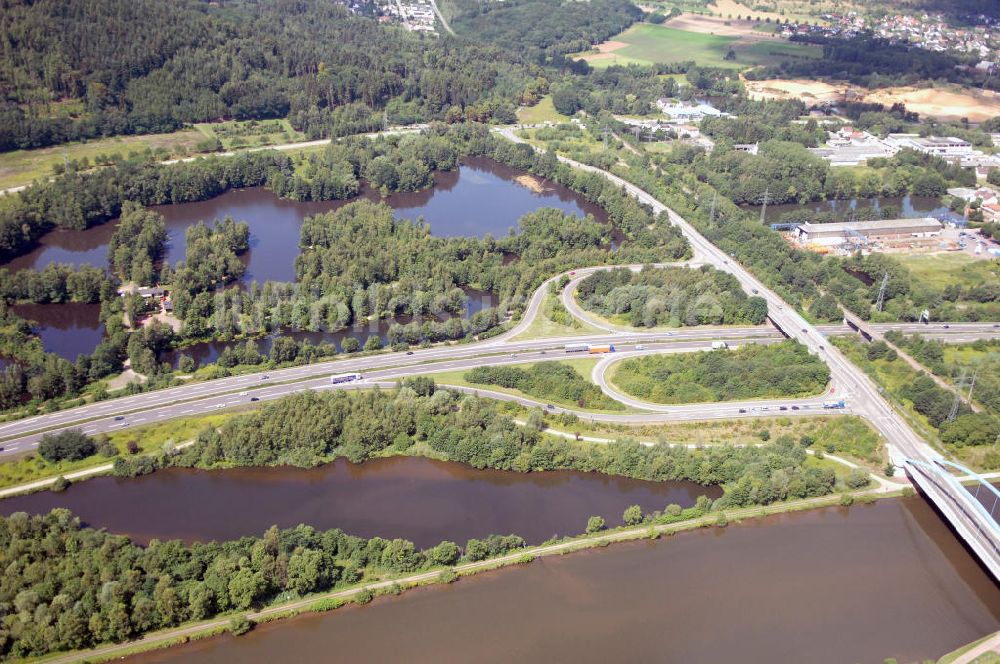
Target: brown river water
x,y
836,585
422,500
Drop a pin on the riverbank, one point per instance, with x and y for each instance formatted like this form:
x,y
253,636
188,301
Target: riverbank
x,y
365,591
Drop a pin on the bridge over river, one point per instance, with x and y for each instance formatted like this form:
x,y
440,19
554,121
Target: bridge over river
x,y
971,513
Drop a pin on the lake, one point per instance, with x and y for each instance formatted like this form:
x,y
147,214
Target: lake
x,y
481,197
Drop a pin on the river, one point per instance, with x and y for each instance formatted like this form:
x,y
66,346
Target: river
x,y
480,197
423,500
828,586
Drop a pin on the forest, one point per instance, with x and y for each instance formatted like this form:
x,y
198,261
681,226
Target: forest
x,y
671,297
753,371
788,173
546,380
310,428
874,62
141,66
66,587
547,30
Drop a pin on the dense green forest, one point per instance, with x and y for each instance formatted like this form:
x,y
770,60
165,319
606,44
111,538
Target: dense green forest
x,y
546,380
136,244
545,29
670,296
310,428
140,66
753,371
788,173
66,587
874,62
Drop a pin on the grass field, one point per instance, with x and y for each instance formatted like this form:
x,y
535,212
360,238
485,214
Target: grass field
x,y
541,112
251,133
23,166
149,438
953,268
645,44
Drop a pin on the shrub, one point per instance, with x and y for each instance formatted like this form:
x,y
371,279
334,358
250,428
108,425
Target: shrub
x,y
69,445
240,625
595,524
632,515
60,485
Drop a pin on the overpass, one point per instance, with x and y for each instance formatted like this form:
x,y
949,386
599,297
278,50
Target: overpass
x,y
970,513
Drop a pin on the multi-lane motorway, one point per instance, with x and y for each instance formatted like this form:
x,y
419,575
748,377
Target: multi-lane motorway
x,y
847,380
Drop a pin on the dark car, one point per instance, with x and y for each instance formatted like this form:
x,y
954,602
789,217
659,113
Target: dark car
x,y
743,410
947,326
409,352
254,398
119,418
795,407
550,407
783,408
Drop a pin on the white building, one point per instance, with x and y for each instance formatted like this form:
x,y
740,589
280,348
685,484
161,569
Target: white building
x,y
947,146
830,235
681,112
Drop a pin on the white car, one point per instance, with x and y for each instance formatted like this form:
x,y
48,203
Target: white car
x,y
640,347
243,394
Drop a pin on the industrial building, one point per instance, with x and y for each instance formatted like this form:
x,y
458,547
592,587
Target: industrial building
x,y
863,232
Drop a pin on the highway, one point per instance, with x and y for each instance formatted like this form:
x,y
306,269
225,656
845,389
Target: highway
x,y
902,443
847,381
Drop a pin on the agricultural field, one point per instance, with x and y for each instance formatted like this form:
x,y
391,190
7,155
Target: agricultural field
x,y
646,44
21,167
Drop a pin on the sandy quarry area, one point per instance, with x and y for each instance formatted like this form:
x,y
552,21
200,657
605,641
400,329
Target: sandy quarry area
x,y
718,26
943,104
605,51
733,8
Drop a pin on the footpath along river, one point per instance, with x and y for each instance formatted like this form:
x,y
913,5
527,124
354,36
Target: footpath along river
x,y
830,586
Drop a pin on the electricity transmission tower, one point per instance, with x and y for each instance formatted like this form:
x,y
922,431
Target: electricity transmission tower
x,y
881,292
763,208
959,386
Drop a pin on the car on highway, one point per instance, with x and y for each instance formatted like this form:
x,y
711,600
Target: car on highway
x,y
409,352
640,347
119,418
754,291
264,377
765,408
795,407
946,327
243,394
550,406
743,410
219,405
782,407
254,398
